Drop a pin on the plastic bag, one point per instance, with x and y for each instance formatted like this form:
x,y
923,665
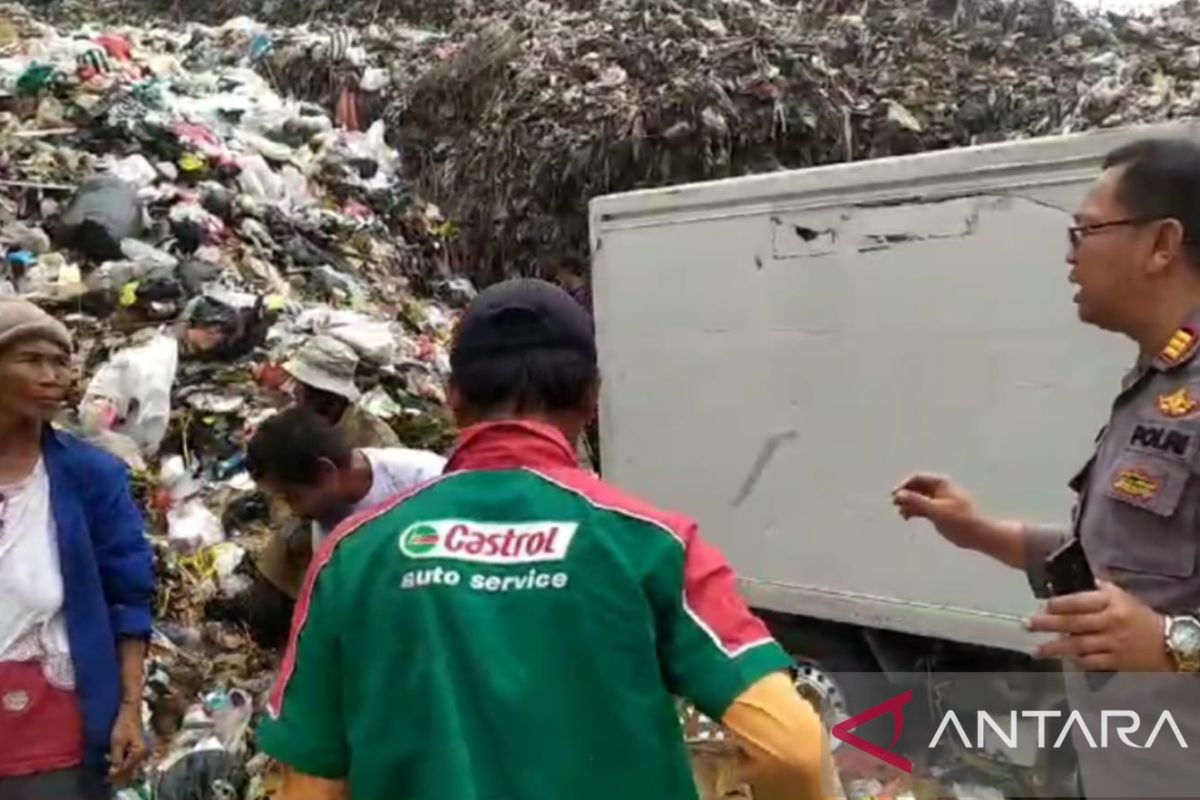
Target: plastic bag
x,y
208,772
104,211
338,283
131,392
177,481
231,713
191,526
373,340
135,170
227,330
374,79
26,237
288,187
369,153
148,255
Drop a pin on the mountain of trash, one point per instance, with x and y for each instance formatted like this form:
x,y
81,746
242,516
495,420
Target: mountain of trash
x,y
527,109
198,201
512,113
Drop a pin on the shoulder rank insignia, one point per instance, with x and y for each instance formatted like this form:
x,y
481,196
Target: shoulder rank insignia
x,y
1178,403
1183,344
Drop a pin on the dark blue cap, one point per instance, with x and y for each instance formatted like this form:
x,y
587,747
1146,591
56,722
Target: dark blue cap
x,y
522,314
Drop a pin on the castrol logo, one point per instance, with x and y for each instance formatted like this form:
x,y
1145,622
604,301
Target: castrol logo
x,y
488,542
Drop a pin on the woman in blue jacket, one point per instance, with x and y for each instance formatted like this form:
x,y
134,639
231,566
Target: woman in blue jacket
x,y
76,584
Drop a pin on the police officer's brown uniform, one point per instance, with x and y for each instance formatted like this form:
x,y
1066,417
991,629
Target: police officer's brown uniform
x,y
1138,518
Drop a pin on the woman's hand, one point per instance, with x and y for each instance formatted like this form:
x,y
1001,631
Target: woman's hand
x,y
128,745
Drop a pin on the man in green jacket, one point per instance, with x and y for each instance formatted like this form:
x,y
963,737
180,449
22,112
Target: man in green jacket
x,y
517,628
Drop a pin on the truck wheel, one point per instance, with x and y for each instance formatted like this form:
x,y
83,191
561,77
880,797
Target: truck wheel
x,y
834,666
823,690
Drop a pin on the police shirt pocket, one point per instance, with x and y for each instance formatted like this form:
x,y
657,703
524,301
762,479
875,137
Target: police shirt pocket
x,y
1154,529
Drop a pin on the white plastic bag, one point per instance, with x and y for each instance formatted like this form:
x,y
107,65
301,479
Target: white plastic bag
x,y
131,392
148,255
374,79
287,188
135,169
368,146
191,526
373,340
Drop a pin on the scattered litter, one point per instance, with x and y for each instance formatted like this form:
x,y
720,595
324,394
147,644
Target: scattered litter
x,y
198,202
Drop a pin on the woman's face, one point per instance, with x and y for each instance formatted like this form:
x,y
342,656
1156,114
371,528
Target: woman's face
x,y
35,375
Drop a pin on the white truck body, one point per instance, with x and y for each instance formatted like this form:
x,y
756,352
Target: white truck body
x,y
778,351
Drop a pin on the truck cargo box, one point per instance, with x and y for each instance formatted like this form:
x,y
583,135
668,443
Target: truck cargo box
x,y
779,350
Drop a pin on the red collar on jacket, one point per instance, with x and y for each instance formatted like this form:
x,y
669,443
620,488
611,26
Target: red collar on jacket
x,y
511,444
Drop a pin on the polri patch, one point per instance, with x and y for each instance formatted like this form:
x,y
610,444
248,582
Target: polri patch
x,y
1155,437
1178,403
1137,484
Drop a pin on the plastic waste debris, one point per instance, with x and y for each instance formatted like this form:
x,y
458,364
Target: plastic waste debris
x,y
21,259
116,46
381,404
221,331
26,237
105,211
135,170
340,285
131,393
374,79
367,157
231,713
35,78
214,403
373,340
148,255
191,526
177,480
206,772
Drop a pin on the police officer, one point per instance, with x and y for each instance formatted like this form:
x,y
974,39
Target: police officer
x,y
1135,256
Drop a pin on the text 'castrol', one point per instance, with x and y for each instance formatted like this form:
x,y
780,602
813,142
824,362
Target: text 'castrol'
x,y
488,542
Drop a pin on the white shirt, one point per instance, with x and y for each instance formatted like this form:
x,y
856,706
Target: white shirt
x,y
32,626
393,470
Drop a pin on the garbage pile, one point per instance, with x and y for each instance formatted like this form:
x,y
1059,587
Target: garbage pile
x,y
513,113
194,229
198,201
531,108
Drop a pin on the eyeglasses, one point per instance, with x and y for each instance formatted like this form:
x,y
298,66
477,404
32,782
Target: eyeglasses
x,y
1076,233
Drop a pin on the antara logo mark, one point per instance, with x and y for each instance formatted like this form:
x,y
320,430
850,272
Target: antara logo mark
x,y
893,708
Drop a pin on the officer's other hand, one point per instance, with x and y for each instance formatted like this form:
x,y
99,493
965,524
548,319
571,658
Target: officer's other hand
x,y
941,501
1106,629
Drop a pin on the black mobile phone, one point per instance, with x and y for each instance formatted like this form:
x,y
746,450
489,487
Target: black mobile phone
x,y
1069,572
1068,569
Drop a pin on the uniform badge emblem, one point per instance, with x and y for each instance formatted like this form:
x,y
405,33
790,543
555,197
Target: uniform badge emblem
x,y
1178,403
1182,343
1136,484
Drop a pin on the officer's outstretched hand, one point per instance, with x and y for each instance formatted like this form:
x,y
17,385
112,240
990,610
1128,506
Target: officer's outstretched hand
x,y
944,503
